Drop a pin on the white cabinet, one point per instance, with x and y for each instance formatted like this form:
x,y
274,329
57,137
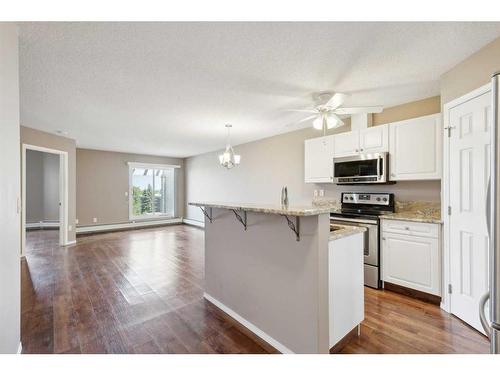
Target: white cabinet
x,y
410,260
369,140
318,159
374,139
346,144
415,148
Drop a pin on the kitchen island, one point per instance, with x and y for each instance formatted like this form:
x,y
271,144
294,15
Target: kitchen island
x,y
282,274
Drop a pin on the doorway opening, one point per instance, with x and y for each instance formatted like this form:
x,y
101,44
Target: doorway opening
x,y
45,197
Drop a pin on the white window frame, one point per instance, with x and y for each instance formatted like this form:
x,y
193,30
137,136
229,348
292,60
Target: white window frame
x,y
131,166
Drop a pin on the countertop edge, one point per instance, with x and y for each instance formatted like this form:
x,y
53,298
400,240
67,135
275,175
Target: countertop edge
x,y
413,219
266,209
346,232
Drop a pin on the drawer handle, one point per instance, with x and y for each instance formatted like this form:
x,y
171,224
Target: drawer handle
x,y
407,228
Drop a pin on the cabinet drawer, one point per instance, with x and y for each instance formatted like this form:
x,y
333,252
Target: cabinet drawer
x,y
410,228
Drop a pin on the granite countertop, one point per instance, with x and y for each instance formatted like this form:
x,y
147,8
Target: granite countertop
x,y
422,212
267,208
344,231
417,211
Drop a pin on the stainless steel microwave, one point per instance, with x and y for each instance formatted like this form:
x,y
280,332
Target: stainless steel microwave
x,y
362,169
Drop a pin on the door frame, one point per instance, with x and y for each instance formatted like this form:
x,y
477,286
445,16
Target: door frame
x,y
63,193
445,191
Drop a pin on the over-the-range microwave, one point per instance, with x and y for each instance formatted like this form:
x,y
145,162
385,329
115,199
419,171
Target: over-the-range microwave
x,y
362,169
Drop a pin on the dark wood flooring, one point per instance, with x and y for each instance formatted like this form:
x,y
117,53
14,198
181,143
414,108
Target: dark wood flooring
x,y
142,292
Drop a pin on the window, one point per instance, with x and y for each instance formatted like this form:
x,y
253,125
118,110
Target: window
x,y
152,190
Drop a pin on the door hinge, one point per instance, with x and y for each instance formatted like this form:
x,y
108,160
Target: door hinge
x,y
449,130
450,289
449,210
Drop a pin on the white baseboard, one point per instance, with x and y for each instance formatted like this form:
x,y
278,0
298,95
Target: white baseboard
x,y
137,224
43,224
70,243
264,336
20,348
195,223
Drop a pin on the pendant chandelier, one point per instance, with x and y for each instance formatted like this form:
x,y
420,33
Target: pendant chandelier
x,y
229,159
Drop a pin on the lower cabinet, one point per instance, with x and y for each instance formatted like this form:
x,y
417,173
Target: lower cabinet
x,y
409,260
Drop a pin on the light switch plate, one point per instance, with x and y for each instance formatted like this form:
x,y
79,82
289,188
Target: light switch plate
x,y
94,220
315,192
321,193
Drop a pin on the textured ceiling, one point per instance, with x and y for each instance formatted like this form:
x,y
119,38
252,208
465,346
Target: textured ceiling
x,y
169,88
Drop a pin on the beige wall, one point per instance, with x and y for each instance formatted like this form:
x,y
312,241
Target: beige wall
x,y
43,139
102,181
418,108
42,186
273,281
34,186
473,72
270,163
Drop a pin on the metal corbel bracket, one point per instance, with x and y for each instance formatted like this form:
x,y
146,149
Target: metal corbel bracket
x,y
208,213
241,218
295,227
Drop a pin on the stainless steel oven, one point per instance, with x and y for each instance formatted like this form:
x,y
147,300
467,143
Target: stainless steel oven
x,y
363,210
362,169
370,244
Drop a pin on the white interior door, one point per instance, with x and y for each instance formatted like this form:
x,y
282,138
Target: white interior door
x,y
469,154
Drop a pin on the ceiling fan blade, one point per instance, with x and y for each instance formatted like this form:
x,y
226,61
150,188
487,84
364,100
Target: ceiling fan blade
x,y
308,118
336,100
355,110
302,110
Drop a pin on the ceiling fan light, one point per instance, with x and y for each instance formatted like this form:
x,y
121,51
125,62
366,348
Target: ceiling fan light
x,y
318,123
332,122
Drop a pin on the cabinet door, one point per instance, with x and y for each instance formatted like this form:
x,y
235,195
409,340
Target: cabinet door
x,y
318,159
374,139
346,144
412,262
416,149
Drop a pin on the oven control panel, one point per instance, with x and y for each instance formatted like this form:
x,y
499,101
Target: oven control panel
x,y
380,199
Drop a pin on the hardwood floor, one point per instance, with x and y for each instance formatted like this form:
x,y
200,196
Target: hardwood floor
x,y
142,292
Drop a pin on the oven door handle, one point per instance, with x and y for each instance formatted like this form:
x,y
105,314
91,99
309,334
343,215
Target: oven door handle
x,y
379,175
351,220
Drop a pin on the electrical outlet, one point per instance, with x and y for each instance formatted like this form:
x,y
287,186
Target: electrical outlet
x,y
76,221
315,193
94,220
321,193
126,193
70,227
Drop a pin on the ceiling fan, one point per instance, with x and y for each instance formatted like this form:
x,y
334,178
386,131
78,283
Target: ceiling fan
x,y
327,115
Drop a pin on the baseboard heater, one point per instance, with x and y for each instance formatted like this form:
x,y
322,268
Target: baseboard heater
x,y
129,225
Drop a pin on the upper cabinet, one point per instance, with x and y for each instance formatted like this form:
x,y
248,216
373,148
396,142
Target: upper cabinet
x,y
346,144
318,157
369,140
374,139
415,148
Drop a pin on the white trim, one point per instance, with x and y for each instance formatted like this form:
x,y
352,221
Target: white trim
x,y
43,224
445,194
71,243
264,336
195,223
63,192
20,348
134,224
134,164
